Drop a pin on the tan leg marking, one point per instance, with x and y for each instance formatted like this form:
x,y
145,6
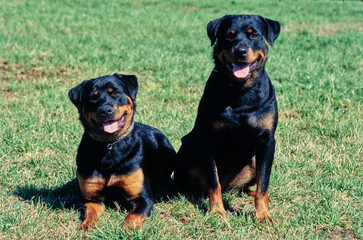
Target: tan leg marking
x,y
133,220
215,198
245,176
93,210
215,201
261,205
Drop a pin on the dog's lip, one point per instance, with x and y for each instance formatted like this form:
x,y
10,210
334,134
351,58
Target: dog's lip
x,y
251,65
241,64
111,126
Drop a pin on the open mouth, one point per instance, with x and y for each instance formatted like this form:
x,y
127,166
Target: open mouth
x,y
242,70
111,126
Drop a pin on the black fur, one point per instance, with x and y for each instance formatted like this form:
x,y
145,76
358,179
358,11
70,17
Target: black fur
x,y
237,117
102,155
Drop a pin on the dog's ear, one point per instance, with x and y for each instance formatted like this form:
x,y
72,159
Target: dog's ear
x,y
272,29
75,94
212,29
131,83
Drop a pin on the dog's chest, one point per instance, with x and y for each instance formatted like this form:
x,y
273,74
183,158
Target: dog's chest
x,y
98,158
244,112
231,118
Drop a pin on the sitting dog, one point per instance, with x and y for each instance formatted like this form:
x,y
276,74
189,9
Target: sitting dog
x,y
231,146
117,156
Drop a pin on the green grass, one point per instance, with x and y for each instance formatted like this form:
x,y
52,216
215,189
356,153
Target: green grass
x,y
47,47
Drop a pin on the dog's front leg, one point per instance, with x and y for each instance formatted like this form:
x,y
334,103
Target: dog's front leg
x,y
264,158
143,208
91,189
143,205
92,211
214,189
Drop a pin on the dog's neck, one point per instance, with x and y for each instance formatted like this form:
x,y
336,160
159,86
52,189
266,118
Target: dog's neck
x,y
111,143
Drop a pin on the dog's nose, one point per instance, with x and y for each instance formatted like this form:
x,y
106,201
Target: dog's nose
x,y
241,51
105,111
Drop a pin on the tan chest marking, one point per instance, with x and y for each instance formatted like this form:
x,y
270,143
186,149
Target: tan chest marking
x,y
132,183
265,122
91,187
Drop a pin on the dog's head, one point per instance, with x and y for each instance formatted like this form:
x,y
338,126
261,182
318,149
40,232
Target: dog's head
x,y
106,105
242,43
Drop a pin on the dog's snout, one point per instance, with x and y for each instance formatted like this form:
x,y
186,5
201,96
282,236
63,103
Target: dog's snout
x,y
241,51
105,111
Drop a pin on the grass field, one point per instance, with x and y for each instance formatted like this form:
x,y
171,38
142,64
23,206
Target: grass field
x,y
47,47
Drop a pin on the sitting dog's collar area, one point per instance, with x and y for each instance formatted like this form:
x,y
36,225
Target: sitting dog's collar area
x,y
239,85
110,144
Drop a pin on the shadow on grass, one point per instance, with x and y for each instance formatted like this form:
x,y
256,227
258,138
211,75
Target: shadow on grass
x,y
201,201
165,192
239,212
67,196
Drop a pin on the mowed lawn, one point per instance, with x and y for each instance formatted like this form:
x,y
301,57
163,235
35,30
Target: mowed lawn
x,y
47,47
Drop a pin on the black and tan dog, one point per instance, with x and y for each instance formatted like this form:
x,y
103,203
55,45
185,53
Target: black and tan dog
x,y
117,157
231,146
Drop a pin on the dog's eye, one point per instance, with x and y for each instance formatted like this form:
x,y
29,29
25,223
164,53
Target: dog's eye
x,y
232,33
253,35
115,93
94,95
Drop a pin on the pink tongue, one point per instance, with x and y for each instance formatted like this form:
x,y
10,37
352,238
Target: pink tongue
x,y
241,70
111,127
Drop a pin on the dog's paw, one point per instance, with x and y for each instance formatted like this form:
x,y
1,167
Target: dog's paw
x,y
132,221
219,211
88,224
261,215
251,193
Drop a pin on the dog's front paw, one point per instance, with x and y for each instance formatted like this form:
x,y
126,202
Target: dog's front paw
x,y
88,224
219,210
132,221
262,214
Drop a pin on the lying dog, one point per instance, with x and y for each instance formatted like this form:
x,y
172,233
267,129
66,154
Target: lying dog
x,y
231,146
117,156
